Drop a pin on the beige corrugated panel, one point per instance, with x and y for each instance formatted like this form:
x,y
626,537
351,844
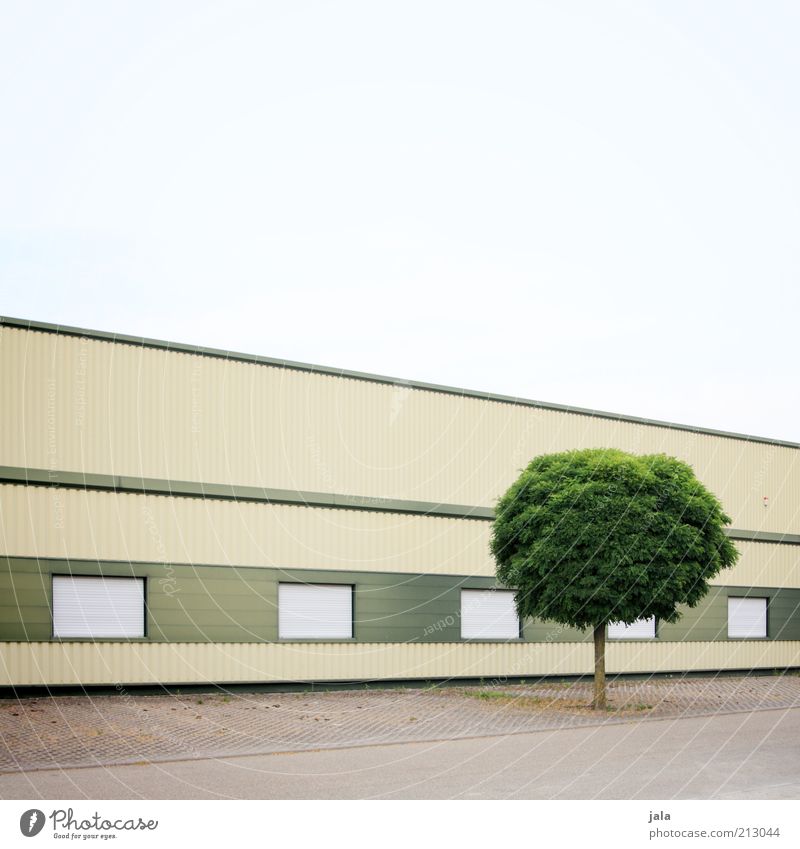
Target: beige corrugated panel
x,y
132,663
722,654
41,522
763,565
44,522
87,405
24,664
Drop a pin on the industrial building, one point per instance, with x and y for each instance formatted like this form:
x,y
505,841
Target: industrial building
x,y
179,515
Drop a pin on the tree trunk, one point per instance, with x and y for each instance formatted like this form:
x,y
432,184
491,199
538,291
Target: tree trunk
x,y
599,702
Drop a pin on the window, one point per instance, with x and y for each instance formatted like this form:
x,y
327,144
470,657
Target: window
x,y
641,629
489,615
747,617
85,606
315,611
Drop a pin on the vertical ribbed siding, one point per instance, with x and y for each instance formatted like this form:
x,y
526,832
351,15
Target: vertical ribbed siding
x,y
44,522
763,565
89,405
35,521
54,664
688,656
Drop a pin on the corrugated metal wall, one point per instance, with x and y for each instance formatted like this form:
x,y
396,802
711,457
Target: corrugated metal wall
x,y
77,404
87,405
763,565
26,664
49,522
79,524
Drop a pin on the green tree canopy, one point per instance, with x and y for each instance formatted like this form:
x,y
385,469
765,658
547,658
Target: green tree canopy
x,y
595,536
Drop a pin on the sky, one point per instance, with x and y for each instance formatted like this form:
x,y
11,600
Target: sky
x,y
595,204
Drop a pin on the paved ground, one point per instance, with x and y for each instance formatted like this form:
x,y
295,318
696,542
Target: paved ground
x,y
126,728
730,756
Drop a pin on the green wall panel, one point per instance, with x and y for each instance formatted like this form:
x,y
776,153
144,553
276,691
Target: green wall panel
x,y
188,603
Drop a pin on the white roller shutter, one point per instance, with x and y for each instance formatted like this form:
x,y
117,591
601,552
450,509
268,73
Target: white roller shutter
x,y
488,615
641,629
87,606
315,611
747,617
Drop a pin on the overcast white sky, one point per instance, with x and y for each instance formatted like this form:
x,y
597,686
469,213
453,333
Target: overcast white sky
x,y
587,203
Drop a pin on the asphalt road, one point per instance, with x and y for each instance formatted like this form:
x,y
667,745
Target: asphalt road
x,y
738,756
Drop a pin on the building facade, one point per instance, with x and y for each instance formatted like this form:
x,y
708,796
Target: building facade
x,y
176,515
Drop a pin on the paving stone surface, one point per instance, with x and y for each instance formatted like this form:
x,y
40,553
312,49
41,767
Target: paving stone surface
x,y
70,731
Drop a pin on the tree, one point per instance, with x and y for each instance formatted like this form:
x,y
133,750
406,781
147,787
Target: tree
x,y
596,536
